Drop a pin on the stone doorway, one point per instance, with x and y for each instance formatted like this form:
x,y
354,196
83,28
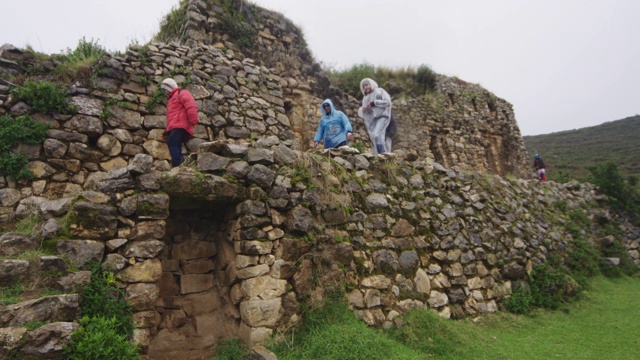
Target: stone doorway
x,y
194,312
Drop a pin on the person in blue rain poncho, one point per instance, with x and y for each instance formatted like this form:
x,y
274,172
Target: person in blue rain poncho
x,y
334,129
376,112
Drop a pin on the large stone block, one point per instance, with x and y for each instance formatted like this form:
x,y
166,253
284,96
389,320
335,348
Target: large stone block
x,y
194,283
261,313
194,249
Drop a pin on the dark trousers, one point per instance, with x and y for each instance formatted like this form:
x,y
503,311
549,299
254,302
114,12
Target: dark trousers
x,y
174,143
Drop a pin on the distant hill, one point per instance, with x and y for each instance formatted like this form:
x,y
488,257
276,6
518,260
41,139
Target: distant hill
x,y
575,150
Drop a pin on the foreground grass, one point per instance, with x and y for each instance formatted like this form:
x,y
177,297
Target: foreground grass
x,y
603,325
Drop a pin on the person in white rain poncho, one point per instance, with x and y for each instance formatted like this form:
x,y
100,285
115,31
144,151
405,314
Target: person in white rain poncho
x,y
376,112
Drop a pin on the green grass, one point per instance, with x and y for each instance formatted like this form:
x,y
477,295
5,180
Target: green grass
x,y
10,294
334,332
603,325
398,82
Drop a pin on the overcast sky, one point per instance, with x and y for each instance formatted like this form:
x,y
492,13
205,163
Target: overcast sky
x,y
562,64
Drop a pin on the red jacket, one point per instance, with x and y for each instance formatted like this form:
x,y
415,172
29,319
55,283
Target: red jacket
x,y
182,111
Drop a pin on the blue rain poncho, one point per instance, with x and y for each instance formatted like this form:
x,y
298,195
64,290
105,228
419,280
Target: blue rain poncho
x,y
333,128
377,117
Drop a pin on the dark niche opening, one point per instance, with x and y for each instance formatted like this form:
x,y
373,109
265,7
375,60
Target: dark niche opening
x,y
194,311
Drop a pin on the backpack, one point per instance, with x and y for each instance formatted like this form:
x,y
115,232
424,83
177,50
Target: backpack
x,y
392,127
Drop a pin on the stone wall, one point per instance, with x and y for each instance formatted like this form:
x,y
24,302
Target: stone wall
x,y
232,245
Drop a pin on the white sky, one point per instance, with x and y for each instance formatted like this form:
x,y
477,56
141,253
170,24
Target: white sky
x,y
563,64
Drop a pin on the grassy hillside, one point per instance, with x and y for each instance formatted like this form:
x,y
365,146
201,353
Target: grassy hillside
x,y
575,150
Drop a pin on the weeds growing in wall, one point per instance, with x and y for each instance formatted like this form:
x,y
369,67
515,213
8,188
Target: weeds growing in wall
x,y
68,67
106,327
77,62
13,132
236,21
172,26
156,98
44,97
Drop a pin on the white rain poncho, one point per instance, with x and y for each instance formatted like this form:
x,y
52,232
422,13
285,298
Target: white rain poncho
x,y
332,128
377,117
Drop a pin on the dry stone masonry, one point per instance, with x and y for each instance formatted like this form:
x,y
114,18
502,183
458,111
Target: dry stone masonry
x,y
253,226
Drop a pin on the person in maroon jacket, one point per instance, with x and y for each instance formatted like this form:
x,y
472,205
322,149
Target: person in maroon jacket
x,y
182,117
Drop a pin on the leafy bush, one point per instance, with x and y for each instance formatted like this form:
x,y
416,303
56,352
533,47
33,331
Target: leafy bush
x,y
156,98
623,195
98,338
548,286
13,132
85,52
626,266
583,261
426,78
76,63
102,298
44,97
106,327
520,301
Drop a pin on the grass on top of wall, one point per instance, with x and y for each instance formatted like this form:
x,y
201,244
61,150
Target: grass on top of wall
x,y
602,325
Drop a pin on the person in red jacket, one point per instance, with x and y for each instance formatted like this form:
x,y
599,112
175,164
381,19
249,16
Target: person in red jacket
x,y
182,117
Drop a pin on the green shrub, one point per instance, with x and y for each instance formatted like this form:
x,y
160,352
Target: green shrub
x,y
548,286
583,261
13,132
426,78
106,327
100,297
349,80
98,338
44,97
617,250
302,174
623,196
85,52
156,98
520,301
76,63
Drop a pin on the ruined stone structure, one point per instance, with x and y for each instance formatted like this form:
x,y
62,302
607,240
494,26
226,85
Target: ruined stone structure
x,y
231,243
